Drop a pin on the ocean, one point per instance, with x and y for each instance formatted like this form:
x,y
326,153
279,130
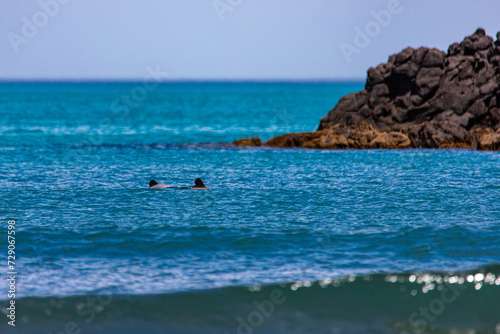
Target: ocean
x,y
287,240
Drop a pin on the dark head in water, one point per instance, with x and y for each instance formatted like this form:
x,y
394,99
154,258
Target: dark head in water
x,y
152,183
198,184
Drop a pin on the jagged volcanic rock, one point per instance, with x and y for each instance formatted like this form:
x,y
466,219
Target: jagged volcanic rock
x,y
421,98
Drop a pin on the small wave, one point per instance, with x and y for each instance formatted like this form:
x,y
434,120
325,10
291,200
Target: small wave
x,y
52,130
431,302
162,146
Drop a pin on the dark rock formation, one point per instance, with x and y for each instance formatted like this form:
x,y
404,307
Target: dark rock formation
x,y
254,141
490,142
421,98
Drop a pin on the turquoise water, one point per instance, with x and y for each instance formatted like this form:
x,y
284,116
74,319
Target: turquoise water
x,y
341,231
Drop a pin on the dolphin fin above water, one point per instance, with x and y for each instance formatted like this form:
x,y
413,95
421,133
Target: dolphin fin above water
x,y
199,185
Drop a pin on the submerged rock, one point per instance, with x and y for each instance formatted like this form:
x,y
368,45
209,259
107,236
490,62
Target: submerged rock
x,y
363,135
420,98
254,141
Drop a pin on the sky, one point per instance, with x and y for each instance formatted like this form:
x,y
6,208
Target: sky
x,y
225,39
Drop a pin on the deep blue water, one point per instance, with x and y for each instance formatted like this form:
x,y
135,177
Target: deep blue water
x,y
76,159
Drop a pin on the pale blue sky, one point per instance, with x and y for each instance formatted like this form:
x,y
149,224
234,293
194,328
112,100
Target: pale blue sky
x,y
255,39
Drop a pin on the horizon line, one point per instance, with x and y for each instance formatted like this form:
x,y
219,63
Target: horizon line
x,y
135,80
